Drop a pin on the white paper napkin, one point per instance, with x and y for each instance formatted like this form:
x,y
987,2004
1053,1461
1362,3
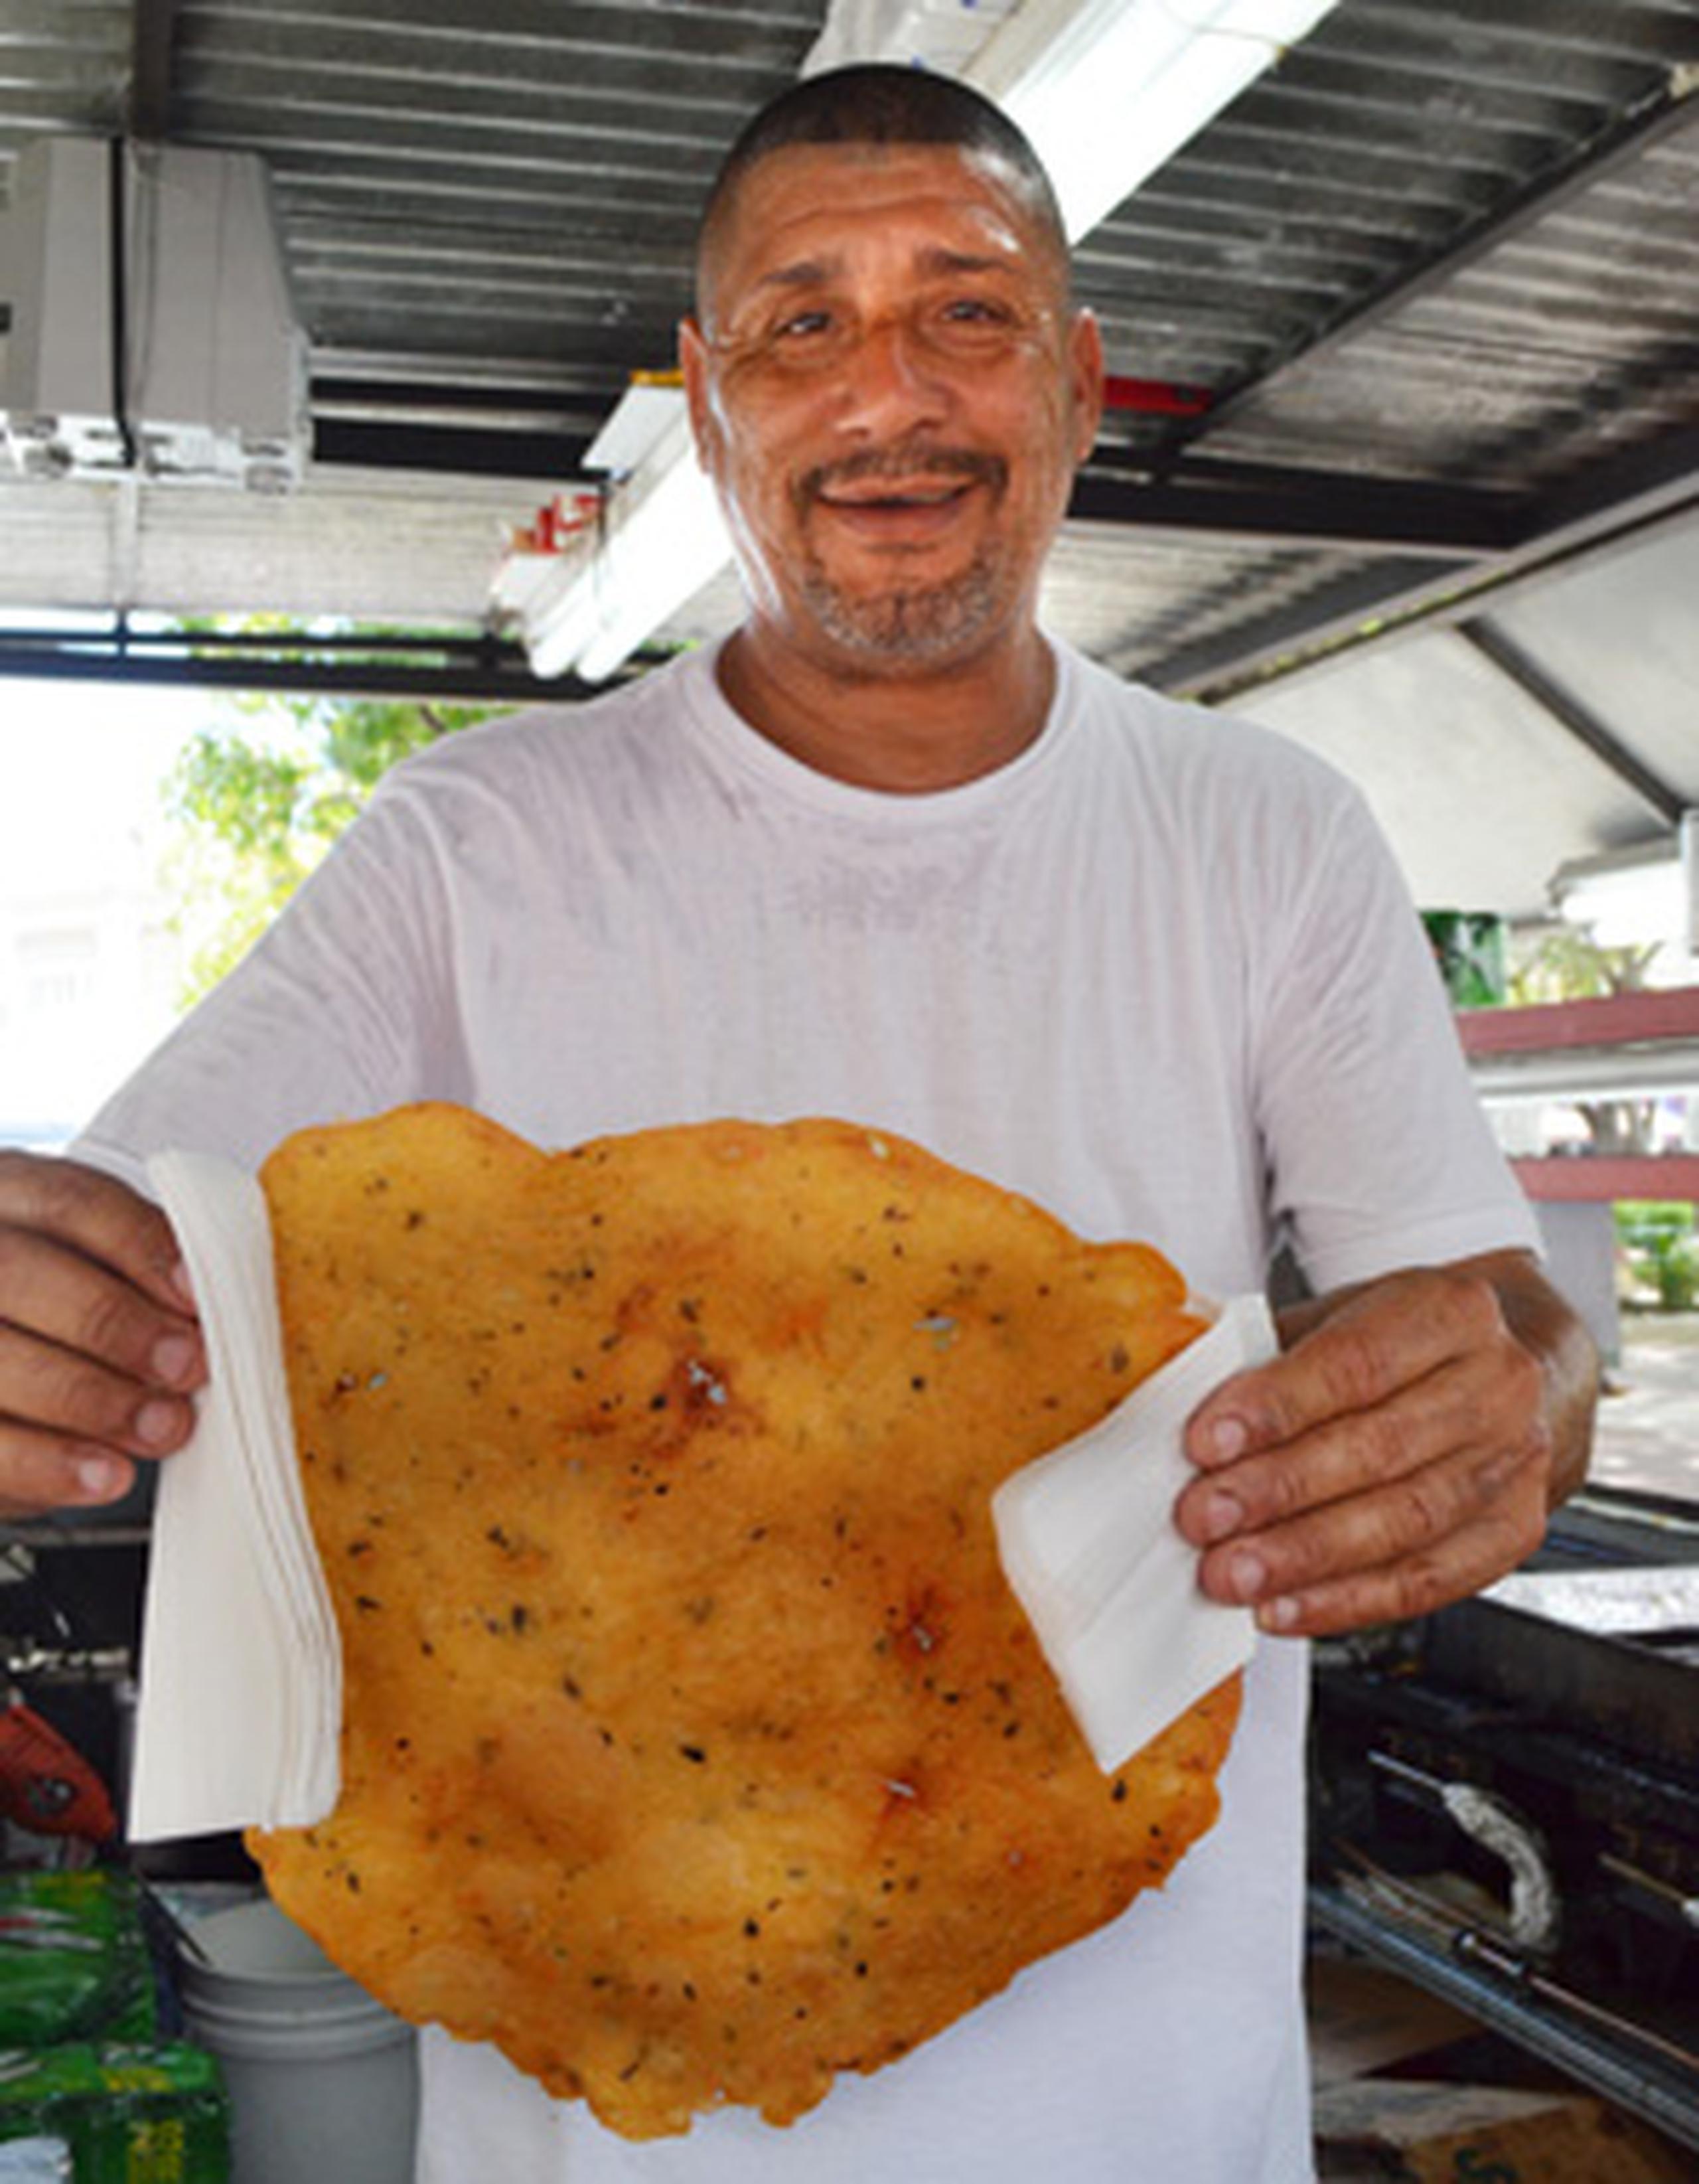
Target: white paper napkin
x,y
240,1710
1089,1543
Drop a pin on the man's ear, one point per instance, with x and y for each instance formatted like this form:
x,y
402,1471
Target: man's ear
x,y
694,367
1085,369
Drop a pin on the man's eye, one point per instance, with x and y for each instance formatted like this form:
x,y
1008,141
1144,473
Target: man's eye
x,y
803,325
972,322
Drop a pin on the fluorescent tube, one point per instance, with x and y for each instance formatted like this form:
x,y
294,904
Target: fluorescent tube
x,y
663,539
1107,90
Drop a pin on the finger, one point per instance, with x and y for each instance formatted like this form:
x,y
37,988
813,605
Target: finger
x,y
1398,1331
98,1216
51,1291
61,1390
1473,1558
1471,1405
1400,1549
42,1472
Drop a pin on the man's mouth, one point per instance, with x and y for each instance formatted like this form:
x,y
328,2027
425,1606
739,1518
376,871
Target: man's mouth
x,y
936,494
894,483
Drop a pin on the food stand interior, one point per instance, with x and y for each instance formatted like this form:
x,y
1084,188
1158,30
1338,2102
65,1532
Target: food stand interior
x,y
1402,458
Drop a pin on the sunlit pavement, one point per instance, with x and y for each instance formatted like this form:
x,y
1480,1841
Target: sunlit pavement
x,y
1648,1434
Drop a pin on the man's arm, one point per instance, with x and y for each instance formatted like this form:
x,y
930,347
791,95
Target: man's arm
x,y
1405,1450
100,1349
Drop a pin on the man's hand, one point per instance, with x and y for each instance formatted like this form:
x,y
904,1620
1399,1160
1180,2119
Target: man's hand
x,y
1405,1450
100,1345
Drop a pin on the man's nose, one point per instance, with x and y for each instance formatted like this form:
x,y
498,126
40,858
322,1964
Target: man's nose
x,y
890,375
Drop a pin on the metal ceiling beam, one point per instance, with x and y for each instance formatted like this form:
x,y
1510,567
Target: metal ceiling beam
x,y
1228,500
1332,619
439,450
1572,715
1609,507
496,404
1239,501
149,113
1644,480
473,667
1199,494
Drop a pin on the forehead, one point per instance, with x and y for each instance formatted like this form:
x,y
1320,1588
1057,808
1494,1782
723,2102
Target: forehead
x,y
830,205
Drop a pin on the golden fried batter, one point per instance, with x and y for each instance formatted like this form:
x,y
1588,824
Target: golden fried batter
x,y
695,1749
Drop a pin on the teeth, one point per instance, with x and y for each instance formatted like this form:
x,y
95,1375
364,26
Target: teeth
x,y
900,500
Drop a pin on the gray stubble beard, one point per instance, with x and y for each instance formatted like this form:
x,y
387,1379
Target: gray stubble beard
x,y
907,627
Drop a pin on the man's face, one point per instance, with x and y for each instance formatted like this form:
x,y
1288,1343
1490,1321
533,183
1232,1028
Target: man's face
x,y
891,394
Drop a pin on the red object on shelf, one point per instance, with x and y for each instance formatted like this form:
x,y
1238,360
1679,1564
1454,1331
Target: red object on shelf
x,y
559,521
1155,398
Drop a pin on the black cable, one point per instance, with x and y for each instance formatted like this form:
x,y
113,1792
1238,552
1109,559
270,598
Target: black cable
x,y
119,296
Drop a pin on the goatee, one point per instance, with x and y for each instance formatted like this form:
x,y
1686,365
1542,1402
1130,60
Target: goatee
x,y
926,622
906,624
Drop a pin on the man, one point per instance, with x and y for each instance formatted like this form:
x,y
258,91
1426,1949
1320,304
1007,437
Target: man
x,y
891,853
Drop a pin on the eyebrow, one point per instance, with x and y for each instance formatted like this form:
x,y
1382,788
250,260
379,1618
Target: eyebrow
x,y
934,260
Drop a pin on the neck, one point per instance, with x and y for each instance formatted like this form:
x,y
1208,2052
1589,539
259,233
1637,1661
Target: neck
x,y
903,733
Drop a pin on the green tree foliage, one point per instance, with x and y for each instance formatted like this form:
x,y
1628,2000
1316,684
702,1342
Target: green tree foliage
x,y
1563,963
1662,1251
258,803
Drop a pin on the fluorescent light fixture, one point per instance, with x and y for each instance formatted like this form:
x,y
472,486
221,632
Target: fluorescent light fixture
x,y
1107,90
663,539
940,35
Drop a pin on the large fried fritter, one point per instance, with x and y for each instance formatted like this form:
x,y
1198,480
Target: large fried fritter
x,y
695,1749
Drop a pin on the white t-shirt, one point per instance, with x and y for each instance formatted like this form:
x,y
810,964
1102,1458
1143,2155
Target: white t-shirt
x,y
1159,973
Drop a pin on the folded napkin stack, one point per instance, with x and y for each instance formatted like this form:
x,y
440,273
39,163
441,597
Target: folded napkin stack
x,y
1089,1543
240,1710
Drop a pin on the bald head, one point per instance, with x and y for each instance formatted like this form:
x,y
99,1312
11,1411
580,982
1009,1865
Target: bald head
x,y
874,105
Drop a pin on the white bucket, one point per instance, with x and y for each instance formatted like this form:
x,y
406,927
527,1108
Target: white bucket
x,y
324,2081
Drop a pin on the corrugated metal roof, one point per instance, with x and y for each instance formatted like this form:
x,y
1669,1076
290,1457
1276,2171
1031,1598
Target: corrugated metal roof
x,y
517,181
1549,354
1379,144
507,192
65,65
1575,333
374,546
1436,277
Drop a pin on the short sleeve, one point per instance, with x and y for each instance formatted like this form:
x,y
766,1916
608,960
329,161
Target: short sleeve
x,y
1378,1153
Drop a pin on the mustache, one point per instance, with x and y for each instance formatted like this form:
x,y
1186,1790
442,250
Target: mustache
x,y
907,464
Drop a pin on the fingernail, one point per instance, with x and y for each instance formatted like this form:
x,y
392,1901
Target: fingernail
x,y
175,1357
1222,1513
1247,1574
1277,1615
157,1424
181,1283
101,1478
1228,1437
